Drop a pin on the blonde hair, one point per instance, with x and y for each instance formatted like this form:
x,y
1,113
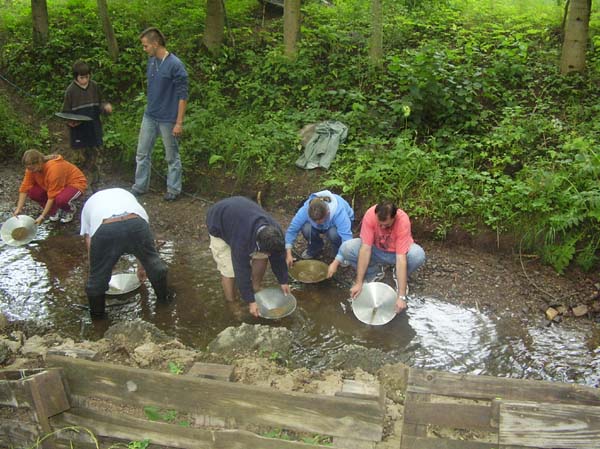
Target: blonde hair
x,y
32,157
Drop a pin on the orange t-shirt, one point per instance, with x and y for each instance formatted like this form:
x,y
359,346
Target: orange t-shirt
x,y
56,174
396,239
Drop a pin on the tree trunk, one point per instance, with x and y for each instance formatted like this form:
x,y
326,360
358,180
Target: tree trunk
x,y
291,27
111,40
576,35
376,41
39,17
214,27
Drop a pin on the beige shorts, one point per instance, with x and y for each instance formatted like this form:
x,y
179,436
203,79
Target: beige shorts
x,y
221,253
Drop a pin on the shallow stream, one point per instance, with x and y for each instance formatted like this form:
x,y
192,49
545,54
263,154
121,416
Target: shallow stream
x,y
44,281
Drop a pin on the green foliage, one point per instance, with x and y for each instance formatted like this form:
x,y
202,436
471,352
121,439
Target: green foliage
x,y
175,368
169,416
138,444
467,122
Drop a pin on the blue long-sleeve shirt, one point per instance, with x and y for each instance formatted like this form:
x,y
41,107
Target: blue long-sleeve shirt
x,y
167,84
340,216
237,221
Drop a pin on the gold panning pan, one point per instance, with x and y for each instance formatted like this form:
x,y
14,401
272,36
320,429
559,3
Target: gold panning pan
x,y
274,304
309,271
19,230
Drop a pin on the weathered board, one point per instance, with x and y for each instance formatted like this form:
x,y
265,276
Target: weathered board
x,y
171,435
544,425
487,387
458,416
480,403
244,404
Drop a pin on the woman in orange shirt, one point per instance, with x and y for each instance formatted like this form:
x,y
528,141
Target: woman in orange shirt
x,y
53,183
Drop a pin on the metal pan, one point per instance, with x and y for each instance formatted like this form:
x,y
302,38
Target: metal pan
x,y
123,283
71,116
309,271
19,230
376,304
273,304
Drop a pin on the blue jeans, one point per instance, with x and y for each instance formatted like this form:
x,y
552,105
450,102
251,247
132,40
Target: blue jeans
x,y
149,131
315,242
415,257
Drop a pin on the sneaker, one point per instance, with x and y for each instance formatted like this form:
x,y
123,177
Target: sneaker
x,y
68,216
170,196
377,276
56,216
136,193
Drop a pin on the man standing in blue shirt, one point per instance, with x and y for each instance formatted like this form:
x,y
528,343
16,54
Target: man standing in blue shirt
x,y
167,100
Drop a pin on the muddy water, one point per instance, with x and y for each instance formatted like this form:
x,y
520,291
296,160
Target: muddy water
x,y
44,280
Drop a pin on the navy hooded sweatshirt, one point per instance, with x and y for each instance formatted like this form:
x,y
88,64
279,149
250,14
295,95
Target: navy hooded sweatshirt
x,y
237,221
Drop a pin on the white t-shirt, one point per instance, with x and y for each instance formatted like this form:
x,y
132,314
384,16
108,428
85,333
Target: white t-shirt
x,y
105,204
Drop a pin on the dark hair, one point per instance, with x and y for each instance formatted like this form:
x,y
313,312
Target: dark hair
x,y
80,68
317,208
385,209
153,34
270,240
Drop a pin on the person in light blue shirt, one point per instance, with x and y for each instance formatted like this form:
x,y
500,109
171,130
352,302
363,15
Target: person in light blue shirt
x,y
322,213
167,101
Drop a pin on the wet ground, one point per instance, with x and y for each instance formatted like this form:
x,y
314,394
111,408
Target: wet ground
x,y
471,310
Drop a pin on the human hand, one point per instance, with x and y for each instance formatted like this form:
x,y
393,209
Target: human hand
x,y
178,129
39,220
401,304
73,123
285,288
289,259
108,108
17,211
253,309
355,290
332,268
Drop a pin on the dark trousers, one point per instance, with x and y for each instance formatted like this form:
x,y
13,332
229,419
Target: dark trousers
x,y
113,240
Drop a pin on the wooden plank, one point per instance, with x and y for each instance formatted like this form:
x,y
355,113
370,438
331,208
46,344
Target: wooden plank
x,y
459,416
18,433
372,391
546,425
171,435
48,393
326,415
413,442
487,387
414,429
214,371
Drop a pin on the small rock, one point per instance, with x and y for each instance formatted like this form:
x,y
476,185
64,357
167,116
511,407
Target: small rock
x,y
580,310
551,313
34,346
561,309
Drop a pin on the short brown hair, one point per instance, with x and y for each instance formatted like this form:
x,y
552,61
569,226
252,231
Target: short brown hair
x,y
81,68
385,209
153,34
317,208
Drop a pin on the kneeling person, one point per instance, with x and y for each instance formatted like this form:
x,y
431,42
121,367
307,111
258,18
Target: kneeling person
x,y
114,223
243,237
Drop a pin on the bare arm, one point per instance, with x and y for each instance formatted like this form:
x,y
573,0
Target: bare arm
x,y
402,277
364,257
20,203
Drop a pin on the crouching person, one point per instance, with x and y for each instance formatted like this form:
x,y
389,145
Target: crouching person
x,y
114,223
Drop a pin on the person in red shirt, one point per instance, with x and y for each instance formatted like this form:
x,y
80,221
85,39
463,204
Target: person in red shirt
x,y
53,183
385,239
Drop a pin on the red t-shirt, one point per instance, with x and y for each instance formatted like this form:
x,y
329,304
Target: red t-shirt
x,y
396,238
